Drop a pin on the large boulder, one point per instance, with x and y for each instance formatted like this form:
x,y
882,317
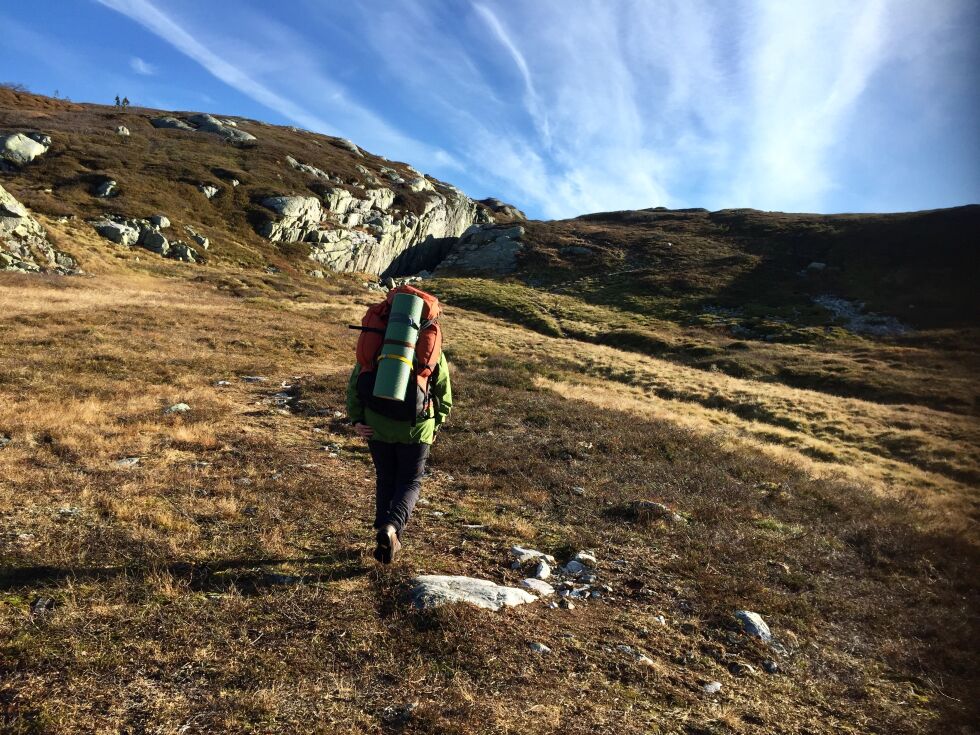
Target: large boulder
x,y
20,149
502,211
118,232
485,248
24,244
166,121
434,590
209,124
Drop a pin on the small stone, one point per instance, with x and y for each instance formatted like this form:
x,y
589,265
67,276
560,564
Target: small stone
x,y
254,379
122,130
578,490
41,606
178,408
539,647
567,604
4,440
127,462
223,383
107,188
542,570
69,511
586,558
208,190
538,587
753,624
770,666
574,567
712,687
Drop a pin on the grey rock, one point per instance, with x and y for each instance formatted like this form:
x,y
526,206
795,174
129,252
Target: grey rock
x,y
770,666
539,647
123,131
542,570
502,208
208,190
254,379
855,318
41,607
524,556
41,138
209,124
161,221
538,587
712,687
178,408
166,121
24,245
4,440
180,250
199,239
753,624
127,462
573,568
816,266
347,145
117,232
307,169
436,590
587,558
19,149
645,510
107,188
485,248
155,242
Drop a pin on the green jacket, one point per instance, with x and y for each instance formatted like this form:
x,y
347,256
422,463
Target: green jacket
x,y
402,432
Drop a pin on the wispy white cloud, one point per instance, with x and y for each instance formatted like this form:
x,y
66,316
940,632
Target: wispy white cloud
x,y
572,106
235,70
142,67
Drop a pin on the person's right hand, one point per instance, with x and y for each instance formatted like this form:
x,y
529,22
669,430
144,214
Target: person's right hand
x,y
364,430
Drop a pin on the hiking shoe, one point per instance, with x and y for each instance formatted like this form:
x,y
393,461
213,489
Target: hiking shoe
x,y
388,544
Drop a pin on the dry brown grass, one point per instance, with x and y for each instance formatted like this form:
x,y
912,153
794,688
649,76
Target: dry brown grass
x,y
222,583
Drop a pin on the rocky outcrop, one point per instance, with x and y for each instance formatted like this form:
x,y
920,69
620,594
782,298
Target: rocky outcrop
x,y
502,211
166,121
204,123
209,124
24,244
19,148
146,233
485,248
362,232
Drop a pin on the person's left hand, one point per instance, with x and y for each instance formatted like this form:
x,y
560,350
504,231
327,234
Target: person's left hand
x,y
364,430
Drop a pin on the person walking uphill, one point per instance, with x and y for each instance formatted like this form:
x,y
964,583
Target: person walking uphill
x,y
398,396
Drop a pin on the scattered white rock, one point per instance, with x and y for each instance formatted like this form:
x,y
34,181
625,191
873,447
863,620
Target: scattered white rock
x,y
538,587
542,570
178,408
712,687
587,558
526,556
123,131
208,190
107,188
434,590
20,149
753,624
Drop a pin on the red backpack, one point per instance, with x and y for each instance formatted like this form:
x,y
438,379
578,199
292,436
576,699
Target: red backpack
x,y
428,348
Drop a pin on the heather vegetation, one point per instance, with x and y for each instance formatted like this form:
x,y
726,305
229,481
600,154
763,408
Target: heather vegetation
x,y
207,568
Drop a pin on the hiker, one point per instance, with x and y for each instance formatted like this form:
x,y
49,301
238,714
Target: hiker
x,y
399,431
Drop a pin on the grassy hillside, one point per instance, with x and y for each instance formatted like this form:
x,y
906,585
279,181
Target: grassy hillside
x,y
224,582
210,571
732,291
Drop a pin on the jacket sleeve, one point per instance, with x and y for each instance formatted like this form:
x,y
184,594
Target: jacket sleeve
x,y
442,389
355,410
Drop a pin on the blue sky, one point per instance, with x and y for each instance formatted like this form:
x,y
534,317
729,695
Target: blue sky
x,y
564,106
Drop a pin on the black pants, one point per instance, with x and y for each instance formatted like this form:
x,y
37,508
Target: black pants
x,y
399,468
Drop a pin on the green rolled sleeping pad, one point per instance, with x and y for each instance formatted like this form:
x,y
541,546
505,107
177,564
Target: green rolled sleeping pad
x,y
398,352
